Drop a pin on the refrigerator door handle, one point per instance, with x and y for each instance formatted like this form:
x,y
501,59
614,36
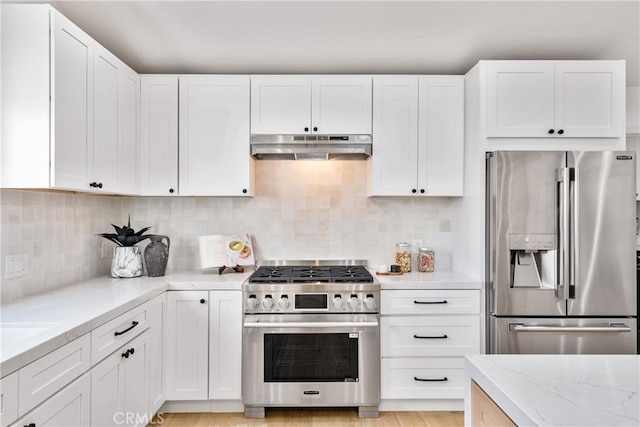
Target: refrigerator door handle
x,y
574,184
564,238
613,327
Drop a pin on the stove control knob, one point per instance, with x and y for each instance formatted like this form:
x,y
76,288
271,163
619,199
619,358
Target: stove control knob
x,y
267,302
284,302
251,303
370,302
354,302
337,302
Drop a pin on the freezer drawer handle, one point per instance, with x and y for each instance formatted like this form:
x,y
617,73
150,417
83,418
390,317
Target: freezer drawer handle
x,y
430,379
424,337
613,327
430,302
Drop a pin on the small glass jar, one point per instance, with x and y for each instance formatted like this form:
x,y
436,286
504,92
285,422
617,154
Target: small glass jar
x,y
426,260
403,256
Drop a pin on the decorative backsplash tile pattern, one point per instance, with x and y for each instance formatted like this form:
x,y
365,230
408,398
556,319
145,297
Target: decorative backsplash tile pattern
x,y
302,210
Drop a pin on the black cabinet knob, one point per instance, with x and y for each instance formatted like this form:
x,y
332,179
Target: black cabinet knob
x,y
244,191
551,131
132,350
414,191
306,129
126,354
560,132
422,191
31,425
92,184
202,301
171,190
99,185
315,128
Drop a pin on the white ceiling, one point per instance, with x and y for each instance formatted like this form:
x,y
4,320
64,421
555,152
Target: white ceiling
x,y
426,37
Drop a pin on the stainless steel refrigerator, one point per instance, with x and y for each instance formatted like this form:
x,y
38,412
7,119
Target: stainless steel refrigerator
x,y
561,271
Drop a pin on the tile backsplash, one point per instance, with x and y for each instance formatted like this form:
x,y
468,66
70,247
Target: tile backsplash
x,y
301,210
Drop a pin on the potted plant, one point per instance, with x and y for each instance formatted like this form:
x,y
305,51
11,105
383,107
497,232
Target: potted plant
x,y
127,258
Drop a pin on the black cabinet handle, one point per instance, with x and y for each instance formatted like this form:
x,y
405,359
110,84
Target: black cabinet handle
x,y
171,190
315,128
99,185
244,191
414,191
551,131
422,191
125,354
202,301
425,337
132,350
133,325
430,302
31,425
92,184
561,131
306,129
430,379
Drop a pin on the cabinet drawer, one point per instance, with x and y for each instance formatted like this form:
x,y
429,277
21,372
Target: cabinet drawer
x,y
422,378
69,407
45,376
112,335
8,399
430,302
429,336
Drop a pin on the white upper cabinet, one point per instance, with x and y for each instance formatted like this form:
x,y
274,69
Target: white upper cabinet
x,y
311,105
159,135
66,114
71,103
557,99
418,125
214,136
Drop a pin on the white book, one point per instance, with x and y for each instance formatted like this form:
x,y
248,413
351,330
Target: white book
x,y
220,250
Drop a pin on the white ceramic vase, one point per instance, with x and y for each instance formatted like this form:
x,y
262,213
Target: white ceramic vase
x,y
126,262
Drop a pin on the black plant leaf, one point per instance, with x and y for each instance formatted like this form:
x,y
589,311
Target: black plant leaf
x,y
125,235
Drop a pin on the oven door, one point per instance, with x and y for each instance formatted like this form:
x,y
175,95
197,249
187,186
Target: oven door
x,y
311,360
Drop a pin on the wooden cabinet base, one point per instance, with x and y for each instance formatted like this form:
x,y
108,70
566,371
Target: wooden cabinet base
x,y
485,412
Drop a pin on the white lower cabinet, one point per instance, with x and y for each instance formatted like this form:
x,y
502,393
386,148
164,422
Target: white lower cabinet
x,y
119,386
69,407
157,385
8,399
187,346
204,345
424,336
225,345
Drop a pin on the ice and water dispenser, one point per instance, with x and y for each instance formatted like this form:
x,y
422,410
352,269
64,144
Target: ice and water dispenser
x,y
533,260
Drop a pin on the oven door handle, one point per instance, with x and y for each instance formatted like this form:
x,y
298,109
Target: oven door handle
x,y
316,325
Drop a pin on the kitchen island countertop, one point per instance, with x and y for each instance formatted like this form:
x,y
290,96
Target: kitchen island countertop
x,y
66,313
559,390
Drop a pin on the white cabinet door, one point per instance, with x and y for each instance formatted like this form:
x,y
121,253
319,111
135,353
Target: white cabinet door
x,y
214,149
280,105
520,98
128,118
187,346
9,398
225,345
441,136
103,147
589,98
393,167
119,386
159,135
157,316
72,101
70,407
341,105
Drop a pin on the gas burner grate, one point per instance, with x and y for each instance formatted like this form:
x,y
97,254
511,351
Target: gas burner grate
x,y
311,274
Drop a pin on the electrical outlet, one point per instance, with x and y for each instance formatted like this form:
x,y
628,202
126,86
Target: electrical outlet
x,y
16,265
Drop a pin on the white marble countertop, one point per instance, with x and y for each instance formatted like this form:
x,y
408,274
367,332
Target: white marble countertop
x,y
33,326
560,390
436,280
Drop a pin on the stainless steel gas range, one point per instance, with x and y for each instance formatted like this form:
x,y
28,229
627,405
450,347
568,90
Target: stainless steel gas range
x,y
311,337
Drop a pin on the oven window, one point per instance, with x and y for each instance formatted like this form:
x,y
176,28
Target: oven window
x,y
310,357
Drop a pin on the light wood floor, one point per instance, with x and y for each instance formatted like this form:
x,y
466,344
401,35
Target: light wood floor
x,y
312,418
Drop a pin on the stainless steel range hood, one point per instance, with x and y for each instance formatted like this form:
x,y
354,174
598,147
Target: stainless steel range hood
x,y
310,147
